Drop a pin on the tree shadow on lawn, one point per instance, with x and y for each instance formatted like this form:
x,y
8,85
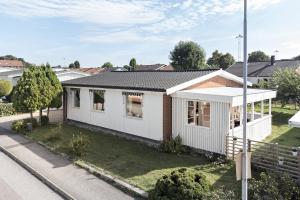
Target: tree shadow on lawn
x,y
289,138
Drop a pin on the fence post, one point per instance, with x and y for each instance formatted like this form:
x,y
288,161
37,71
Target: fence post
x,y
298,154
249,145
233,147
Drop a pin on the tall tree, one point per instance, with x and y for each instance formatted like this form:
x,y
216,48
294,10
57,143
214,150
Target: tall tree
x,y
258,56
297,57
71,65
26,94
287,84
187,55
220,60
107,65
76,64
132,64
213,61
5,88
55,88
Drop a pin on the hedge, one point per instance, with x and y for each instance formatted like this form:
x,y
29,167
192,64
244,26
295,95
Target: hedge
x,y
7,109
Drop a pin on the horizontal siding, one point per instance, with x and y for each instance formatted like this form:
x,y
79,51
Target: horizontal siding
x,y
209,139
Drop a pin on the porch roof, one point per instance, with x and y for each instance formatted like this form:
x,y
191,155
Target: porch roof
x,y
231,95
295,120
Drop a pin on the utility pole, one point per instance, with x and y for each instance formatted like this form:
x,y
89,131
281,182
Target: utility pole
x,y
239,37
276,53
245,74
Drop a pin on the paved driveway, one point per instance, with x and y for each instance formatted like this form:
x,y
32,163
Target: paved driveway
x,y
18,184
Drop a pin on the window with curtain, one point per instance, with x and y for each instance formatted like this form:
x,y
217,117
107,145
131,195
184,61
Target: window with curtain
x,y
199,113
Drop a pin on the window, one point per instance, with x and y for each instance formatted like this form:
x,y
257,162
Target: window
x,y
76,97
134,104
199,113
98,100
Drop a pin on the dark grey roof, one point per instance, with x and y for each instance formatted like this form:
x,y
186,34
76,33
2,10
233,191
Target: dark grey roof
x,y
150,80
148,67
262,69
12,72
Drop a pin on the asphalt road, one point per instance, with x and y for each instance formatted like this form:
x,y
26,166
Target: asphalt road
x,y
18,184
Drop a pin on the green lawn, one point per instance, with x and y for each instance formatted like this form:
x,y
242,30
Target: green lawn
x,y
281,132
134,162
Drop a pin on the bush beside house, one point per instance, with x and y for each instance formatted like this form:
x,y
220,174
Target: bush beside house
x,y
6,109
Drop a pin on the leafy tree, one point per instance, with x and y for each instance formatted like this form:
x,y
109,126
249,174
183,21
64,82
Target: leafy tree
x,y
107,65
287,83
221,60
76,64
26,94
132,64
187,55
5,88
213,61
71,65
55,88
258,56
297,57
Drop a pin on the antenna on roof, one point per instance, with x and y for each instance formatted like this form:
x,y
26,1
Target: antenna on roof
x,y
239,37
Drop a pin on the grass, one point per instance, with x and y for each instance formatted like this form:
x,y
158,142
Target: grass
x,y
131,161
281,132
141,165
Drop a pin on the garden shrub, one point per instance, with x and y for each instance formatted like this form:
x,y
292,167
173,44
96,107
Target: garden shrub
x,y
44,120
79,144
5,88
173,145
19,126
33,121
221,194
7,109
273,186
181,184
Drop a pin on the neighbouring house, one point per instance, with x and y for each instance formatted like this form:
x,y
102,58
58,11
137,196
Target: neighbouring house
x,y
202,107
9,65
63,74
295,120
90,70
154,67
263,70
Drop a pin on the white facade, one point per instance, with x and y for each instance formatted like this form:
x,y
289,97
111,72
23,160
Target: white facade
x,y
199,137
221,100
114,115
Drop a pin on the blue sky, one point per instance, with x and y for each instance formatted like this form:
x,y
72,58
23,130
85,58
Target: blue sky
x,y
96,31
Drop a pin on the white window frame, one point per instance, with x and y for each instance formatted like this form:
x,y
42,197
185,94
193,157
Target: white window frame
x,y
126,94
92,100
73,97
187,113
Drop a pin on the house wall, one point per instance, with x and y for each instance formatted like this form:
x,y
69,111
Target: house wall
x,y
114,116
217,81
208,139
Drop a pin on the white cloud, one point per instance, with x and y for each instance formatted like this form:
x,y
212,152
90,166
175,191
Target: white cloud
x,y
139,19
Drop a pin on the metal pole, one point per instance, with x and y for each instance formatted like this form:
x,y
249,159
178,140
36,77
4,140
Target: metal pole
x,y
245,75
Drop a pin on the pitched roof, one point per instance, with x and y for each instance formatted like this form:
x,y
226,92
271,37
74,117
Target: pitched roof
x,y
152,67
263,69
12,72
11,63
91,70
150,80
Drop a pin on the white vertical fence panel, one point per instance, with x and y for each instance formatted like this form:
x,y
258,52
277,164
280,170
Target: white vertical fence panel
x,y
209,139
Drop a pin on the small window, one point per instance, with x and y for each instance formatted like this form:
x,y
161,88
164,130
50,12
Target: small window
x,y
76,97
199,113
134,105
98,100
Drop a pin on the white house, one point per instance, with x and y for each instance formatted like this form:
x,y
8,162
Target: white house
x,y
203,107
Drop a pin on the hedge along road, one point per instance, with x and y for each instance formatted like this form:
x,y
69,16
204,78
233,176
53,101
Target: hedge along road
x,y
16,183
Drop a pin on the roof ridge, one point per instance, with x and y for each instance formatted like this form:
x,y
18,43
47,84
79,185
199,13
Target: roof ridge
x,y
162,71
